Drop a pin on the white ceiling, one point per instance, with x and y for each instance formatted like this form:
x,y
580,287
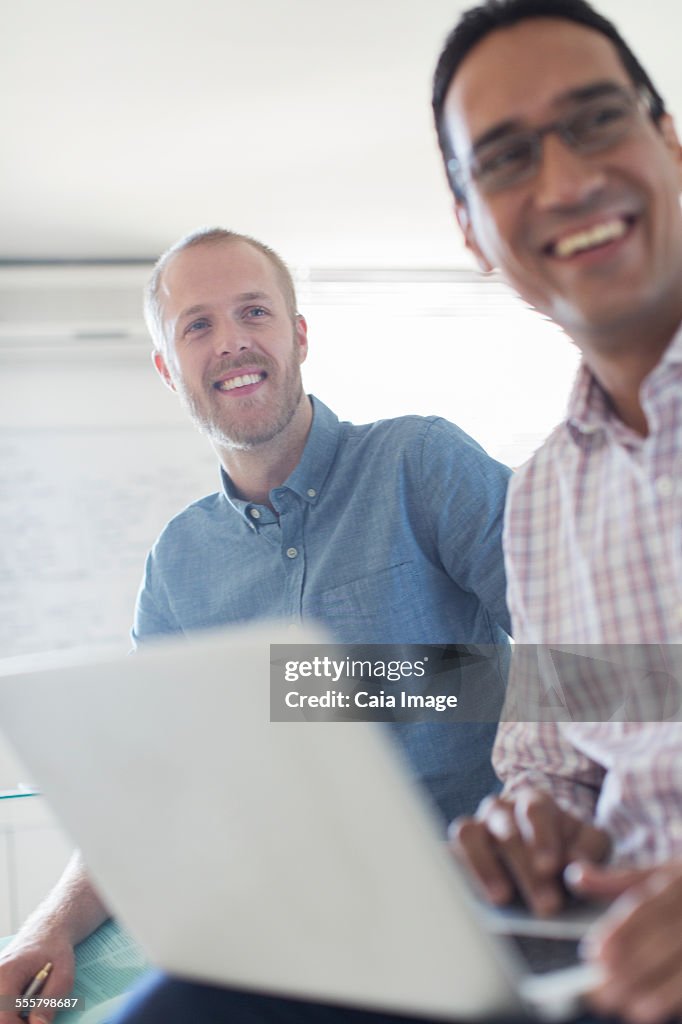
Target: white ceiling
x,y
303,122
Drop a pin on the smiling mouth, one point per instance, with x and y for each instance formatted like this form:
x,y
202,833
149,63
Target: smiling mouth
x,y
590,238
240,382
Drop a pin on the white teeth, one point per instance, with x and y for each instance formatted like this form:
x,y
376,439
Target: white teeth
x,y
239,382
598,235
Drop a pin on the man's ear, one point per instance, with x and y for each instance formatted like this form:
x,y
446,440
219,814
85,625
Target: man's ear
x,y
162,369
464,221
301,338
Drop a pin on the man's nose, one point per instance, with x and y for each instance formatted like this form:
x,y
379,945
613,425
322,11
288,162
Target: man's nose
x,y
566,178
230,338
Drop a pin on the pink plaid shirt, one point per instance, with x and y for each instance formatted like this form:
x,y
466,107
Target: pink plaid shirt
x,y
593,542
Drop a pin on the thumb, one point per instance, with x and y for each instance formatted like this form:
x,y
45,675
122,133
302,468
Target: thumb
x,y
57,986
587,879
44,1015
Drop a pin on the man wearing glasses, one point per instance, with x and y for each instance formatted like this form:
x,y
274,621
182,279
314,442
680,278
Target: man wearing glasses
x,y
565,168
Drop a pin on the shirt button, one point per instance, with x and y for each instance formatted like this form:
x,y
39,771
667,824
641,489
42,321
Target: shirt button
x,y
664,486
254,513
311,492
292,552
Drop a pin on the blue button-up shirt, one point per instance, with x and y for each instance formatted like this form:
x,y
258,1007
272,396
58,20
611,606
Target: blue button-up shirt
x,y
388,533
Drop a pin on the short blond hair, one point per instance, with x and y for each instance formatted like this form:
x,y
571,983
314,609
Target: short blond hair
x,y
207,236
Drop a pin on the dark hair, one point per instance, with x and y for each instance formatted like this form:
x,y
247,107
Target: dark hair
x,y
478,22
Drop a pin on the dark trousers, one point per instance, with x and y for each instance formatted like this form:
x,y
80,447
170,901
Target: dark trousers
x,y
164,1000
161,999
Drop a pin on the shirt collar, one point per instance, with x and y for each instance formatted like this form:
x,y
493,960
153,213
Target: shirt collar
x,y
589,409
672,355
308,478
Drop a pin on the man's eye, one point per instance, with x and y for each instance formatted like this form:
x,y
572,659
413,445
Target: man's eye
x,y
603,118
255,312
196,325
512,154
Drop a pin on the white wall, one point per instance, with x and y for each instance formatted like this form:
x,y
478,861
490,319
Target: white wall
x,y
97,454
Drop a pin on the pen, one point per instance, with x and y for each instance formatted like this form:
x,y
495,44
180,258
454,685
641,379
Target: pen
x,y
34,987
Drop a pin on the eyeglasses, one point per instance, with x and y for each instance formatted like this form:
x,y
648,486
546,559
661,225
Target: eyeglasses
x,y
593,126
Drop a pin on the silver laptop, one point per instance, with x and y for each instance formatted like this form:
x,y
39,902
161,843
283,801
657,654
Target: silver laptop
x,y
294,858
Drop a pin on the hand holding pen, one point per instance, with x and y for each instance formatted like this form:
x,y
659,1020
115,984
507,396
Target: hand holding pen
x,y
34,945
34,987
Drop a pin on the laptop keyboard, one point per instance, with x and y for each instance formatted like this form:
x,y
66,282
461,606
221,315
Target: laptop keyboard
x,y
543,955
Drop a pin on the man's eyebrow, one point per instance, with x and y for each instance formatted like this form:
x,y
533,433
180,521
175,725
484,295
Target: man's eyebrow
x,y
192,311
253,297
592,91
498,131
583,94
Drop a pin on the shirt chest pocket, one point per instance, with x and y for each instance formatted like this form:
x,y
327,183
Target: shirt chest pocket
x,y
382,606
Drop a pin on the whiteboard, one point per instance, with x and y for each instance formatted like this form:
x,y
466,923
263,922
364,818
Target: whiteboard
x,y
79,508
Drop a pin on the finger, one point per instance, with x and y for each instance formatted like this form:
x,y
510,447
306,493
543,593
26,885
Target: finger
x,y
656,996
541,893
639,945
650,909
53,989
58,985
537,816
640,966
19,966
599,883
660,1003
13,981
43,1014
588,843
473,847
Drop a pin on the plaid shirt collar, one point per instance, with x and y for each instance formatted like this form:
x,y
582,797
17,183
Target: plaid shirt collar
x,y
590,414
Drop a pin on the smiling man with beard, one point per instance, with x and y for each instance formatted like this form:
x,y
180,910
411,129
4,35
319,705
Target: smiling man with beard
x,y
237,371
388,533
